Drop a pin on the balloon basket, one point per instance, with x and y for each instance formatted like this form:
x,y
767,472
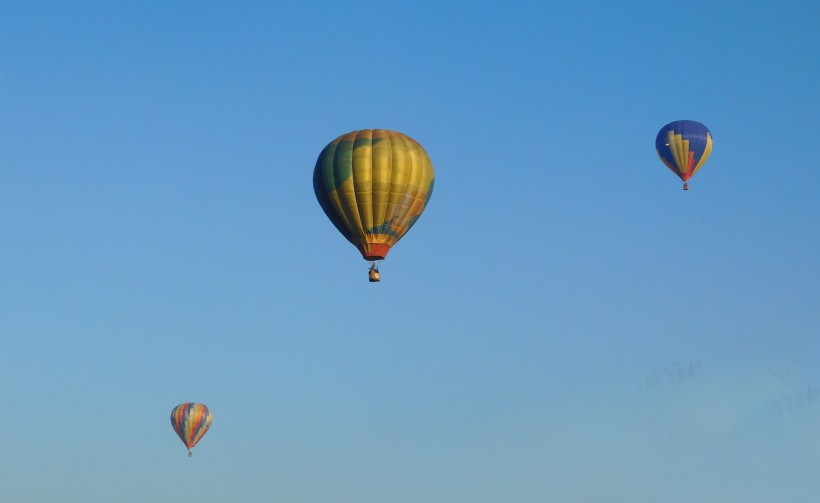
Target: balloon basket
x,y
373,275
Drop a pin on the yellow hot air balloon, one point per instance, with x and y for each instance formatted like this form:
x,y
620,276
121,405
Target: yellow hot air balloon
x,y
373,185
191,421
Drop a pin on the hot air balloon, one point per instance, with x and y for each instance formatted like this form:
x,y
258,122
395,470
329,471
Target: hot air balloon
x,y
373,185
191,421
684,146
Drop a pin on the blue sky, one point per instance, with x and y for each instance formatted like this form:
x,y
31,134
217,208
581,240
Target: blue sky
x,y
564,323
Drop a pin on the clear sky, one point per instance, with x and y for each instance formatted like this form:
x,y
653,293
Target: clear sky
x,y
564,323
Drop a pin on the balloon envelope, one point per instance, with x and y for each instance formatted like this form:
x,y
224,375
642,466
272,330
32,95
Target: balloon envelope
x,y
684,146
373,185
191,421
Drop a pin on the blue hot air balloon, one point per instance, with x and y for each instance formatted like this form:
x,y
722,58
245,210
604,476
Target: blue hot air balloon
x,y
684,146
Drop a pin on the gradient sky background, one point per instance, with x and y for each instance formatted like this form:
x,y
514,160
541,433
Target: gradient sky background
x,y
564,323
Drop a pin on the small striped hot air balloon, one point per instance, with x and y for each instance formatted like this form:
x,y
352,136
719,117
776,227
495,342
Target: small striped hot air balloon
x,y
684,146
191,421
373,185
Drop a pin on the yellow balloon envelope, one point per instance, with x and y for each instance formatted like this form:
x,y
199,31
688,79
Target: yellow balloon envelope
x,y
373,185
